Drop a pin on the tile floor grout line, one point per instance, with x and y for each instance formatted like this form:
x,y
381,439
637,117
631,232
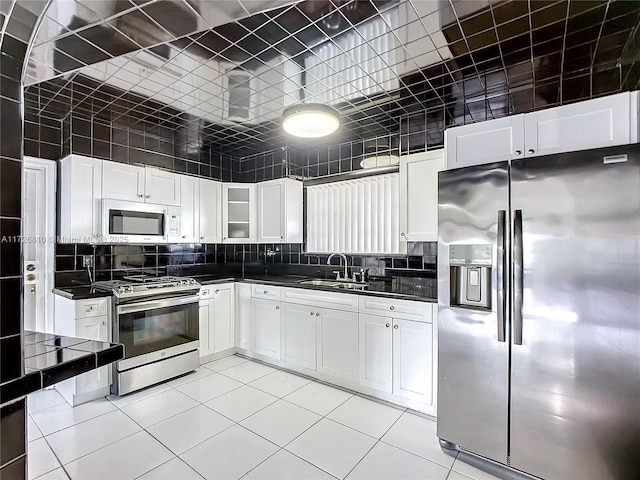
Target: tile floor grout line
x,y
164,463
74,424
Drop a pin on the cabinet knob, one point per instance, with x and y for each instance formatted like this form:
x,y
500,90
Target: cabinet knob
x,y
265,292
217,291
147,196
391,307
311,313
104,323
518,152
395,326
277,307
184,236
387,325
139,195
201,238
317,314
402,235
530,151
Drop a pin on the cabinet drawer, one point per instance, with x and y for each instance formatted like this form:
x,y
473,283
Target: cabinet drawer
x,y
209,291
268,292
391,307
318,298
92,308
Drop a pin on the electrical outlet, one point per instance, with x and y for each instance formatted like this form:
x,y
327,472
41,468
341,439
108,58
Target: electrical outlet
x,y
87,260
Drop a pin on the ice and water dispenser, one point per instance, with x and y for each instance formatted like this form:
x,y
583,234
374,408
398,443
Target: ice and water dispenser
x,y
470,267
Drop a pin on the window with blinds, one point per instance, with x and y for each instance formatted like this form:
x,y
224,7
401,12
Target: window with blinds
x,y
354,216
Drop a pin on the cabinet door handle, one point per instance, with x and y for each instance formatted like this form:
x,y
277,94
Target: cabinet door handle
x,y
518,152
387,325
317,314
265,292
104,323
391,307
184,236
395,326
201,238
217,291
277,307
530,151
402,235
311,313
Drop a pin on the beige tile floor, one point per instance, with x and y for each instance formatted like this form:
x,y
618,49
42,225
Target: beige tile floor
x,y
231,419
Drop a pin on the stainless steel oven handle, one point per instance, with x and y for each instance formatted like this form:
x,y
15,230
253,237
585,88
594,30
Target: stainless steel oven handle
x,y
151,304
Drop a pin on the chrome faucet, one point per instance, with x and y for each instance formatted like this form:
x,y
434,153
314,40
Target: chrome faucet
x,y
346,273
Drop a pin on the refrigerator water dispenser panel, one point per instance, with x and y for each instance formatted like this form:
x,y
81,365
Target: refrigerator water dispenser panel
x,y
470,267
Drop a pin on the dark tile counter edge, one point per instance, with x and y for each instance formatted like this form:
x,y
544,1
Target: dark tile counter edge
x,y
80,292
39,379
291,282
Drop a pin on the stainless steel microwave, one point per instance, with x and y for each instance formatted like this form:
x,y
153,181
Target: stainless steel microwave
x,y
134,222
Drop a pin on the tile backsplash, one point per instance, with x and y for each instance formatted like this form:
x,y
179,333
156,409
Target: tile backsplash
x,y
113,261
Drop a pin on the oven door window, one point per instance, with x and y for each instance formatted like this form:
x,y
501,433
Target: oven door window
x,y
151,330
129,222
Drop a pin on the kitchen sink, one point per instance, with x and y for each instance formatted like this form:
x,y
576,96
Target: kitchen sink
x,y
351,286
319,283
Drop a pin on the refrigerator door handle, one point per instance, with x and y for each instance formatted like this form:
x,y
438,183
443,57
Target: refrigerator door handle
x,y
518,283
502,219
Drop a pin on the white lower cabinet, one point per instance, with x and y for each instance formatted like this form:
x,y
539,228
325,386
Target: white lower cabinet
x,y
266,331
376,352
337,343
397,357
412,360
299,335
90,319
243,316
217,322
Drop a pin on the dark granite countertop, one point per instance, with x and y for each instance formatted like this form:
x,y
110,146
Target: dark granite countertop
x,y
407,290
49,359
80,292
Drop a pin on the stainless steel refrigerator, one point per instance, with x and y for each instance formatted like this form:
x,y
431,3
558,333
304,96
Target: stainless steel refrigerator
x,y
539,313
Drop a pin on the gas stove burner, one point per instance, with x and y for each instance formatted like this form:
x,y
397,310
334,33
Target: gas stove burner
x,y
135,286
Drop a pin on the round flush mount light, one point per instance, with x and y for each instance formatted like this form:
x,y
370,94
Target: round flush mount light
x,y
310,120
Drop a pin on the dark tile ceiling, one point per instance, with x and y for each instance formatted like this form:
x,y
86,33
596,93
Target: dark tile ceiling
x,y
229,68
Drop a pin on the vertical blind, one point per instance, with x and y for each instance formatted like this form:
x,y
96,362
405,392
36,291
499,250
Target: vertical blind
x,y
354,216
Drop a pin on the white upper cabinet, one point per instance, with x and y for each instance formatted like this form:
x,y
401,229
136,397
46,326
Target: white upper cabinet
x,y
280,211
200,210
419,196
123,182
239,213
162,187
600,122
190,215
139,184
484,142
80,199
209,207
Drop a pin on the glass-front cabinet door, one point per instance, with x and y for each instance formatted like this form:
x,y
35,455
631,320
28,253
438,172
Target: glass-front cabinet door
x,y
239,213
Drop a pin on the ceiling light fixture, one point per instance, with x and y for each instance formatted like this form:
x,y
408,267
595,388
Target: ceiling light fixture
x,y
310,120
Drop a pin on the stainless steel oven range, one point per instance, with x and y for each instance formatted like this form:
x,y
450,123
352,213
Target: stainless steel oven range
x,y
156,319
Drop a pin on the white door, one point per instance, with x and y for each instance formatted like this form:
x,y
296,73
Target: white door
x,y
206,312
223,322
38,249
485,142
190,209
413,360
243,315
419,196
161,187
601,122
266,327
271,212
210,211
299,335
338,343
375,350
122,182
